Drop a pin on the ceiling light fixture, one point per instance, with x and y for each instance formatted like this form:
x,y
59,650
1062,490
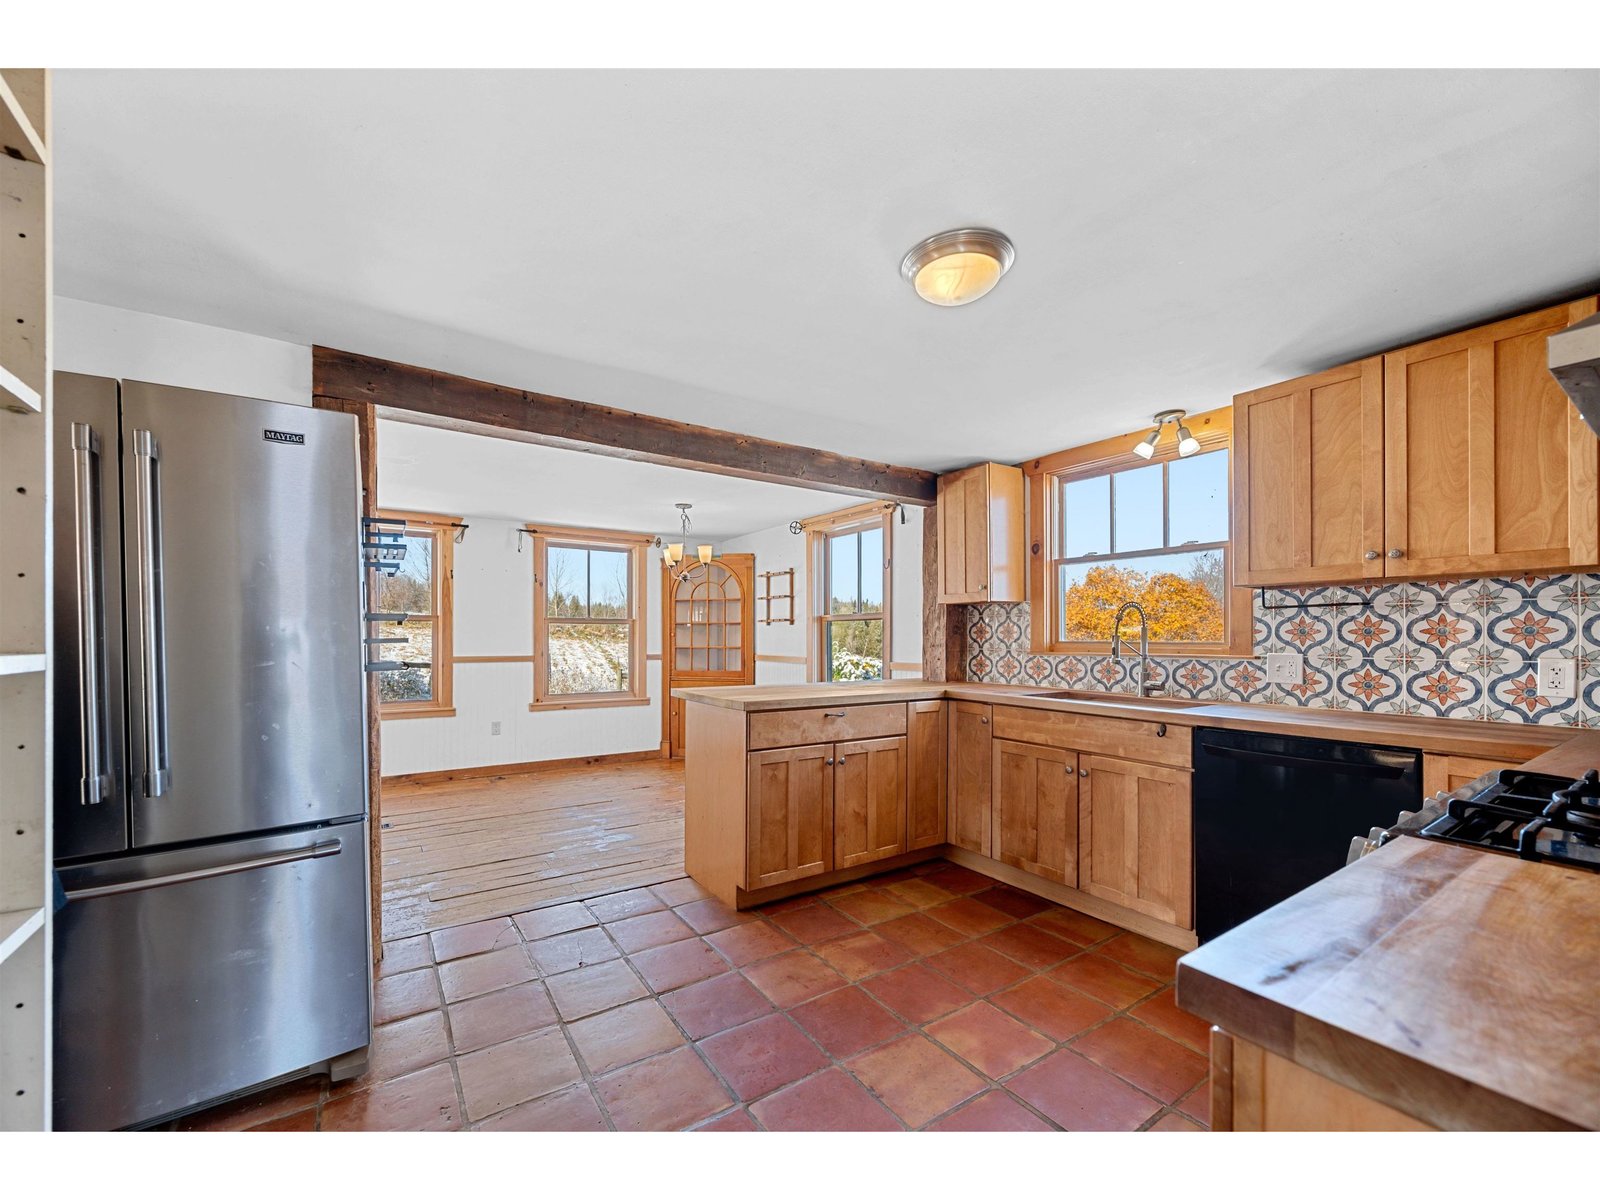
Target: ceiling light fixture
x,y
958,266
672,552
1187,443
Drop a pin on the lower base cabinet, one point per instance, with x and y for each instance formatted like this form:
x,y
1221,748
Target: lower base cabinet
x,y
971,765
869,801
790,826
1035,822
1136,846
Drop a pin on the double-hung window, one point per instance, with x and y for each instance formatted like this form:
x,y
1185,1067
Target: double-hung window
x,y
421,590
589,597
850,557
1117,529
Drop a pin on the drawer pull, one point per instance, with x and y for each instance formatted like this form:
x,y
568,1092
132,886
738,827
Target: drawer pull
x,y
1161,731
840,713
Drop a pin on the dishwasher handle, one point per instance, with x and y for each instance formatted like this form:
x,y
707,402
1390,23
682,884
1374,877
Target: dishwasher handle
x,y
1380,765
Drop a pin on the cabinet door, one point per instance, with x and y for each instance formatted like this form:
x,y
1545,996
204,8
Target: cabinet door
x,y
1036,810
1308,478
963,536
925,773
789,828
1488,467
869,801
1134,842
970,764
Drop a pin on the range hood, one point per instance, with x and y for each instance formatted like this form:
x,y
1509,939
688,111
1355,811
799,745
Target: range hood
x,y
1575,362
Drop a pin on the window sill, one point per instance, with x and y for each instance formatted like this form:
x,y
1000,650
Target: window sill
x,y
409,714
583,702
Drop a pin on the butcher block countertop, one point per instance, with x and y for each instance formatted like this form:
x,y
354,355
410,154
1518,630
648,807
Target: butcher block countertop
x,y
1436,735
1457,985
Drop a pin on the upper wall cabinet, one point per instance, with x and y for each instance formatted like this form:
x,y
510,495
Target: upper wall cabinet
x,y
981,535
1487,466
1456,457
1308,478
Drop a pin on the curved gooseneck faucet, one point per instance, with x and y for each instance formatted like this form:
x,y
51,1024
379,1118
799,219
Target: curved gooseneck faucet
x,y
1144,643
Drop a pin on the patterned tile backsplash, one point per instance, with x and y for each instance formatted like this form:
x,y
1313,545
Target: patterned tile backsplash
x,y
1467,648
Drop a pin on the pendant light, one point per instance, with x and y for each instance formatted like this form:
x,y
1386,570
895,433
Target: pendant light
x,y
957,266
1187,443
672,552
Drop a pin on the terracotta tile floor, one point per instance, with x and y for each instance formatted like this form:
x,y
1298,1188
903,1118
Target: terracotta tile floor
x,y
926,998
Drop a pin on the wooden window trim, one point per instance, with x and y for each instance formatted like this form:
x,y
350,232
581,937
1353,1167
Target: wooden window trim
x,y
1214,431
818,530
440,528
544,536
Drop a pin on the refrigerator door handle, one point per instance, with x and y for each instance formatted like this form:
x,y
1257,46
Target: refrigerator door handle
x,y
152,624
281,858
96,783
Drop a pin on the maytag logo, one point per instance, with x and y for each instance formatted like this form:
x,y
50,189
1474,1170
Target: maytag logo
x,y
284,436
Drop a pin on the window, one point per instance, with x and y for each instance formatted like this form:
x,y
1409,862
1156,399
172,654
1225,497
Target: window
x,y
850,554
589,590
421,588
1120,529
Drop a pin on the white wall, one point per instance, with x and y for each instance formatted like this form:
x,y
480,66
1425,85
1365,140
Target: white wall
x,y
96,339
777,549
494,616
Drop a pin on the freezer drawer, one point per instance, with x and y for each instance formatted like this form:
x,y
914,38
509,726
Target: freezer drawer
x,y
183,976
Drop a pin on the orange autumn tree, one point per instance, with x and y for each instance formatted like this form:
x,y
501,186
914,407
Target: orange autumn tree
x,y
1179,609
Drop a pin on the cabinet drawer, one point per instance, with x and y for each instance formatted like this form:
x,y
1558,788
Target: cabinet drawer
x,y
846,722
1142,741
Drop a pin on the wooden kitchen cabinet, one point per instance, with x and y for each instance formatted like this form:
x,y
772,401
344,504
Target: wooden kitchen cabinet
x,y
1455,457
1035,819
1308,478
1447,772
981,531
1488,467
1135,846
970,802
869,801
926,762
789,827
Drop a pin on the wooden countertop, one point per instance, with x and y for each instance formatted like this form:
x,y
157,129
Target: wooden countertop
x,y
1458,985
1437,735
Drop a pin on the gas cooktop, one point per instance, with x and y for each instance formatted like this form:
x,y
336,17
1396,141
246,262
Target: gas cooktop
x,y
1544,818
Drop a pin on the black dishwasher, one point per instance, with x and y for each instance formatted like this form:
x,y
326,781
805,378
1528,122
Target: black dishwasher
x,y
1274,814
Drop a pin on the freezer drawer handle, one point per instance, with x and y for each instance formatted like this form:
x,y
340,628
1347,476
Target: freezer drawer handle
x,y
95,785
283,857
152,620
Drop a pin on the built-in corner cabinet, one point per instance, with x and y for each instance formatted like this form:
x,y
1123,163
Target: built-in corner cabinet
x,y
1454,457
25,621
982,530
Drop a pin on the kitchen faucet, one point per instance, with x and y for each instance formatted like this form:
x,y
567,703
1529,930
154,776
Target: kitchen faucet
x,y
1144,644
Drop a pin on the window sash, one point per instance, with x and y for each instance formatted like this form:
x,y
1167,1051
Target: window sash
x,y
437,529
544,624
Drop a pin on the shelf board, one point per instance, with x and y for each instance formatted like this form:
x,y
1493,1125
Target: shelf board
x,y
16,927
16,130
20,664
18,396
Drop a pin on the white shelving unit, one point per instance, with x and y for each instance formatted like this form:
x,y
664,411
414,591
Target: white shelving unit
x,y
25,633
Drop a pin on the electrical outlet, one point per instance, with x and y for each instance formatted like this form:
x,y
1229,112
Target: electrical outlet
x,y
494,728
1284,669
1555,677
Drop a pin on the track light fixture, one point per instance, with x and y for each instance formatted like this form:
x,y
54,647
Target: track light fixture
x,y
1187,443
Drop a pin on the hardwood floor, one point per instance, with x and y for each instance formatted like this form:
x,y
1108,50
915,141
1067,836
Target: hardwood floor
x,y
464,850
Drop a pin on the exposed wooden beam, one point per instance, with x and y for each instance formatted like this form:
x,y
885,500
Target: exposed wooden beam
x,y
427,397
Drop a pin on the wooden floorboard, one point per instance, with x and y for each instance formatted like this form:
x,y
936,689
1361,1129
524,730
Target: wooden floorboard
x,y
461,851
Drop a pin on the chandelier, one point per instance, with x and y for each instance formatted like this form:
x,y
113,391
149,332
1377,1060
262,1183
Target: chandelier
x,y
672,552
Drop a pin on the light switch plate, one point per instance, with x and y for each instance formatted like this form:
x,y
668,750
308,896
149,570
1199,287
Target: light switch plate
x,y
1284,669
1556,677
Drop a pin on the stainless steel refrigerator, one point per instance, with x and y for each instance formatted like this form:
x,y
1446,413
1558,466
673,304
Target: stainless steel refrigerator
x,y
209,744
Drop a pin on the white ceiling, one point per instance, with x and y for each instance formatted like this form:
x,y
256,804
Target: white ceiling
x,y
722,247
424,469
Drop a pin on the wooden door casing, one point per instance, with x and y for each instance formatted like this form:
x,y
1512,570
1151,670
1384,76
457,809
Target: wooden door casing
x,y
789,823
1036,810
1308,478
1487,466
969,777
869,801
1135,842
926,766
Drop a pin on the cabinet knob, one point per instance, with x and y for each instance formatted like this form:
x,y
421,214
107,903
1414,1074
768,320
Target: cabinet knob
x,y
983,720
1370,555
983,587
1397,553
1083,772
830,762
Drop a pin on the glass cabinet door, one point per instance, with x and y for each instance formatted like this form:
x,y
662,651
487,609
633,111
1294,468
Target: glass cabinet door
x,y
708,621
